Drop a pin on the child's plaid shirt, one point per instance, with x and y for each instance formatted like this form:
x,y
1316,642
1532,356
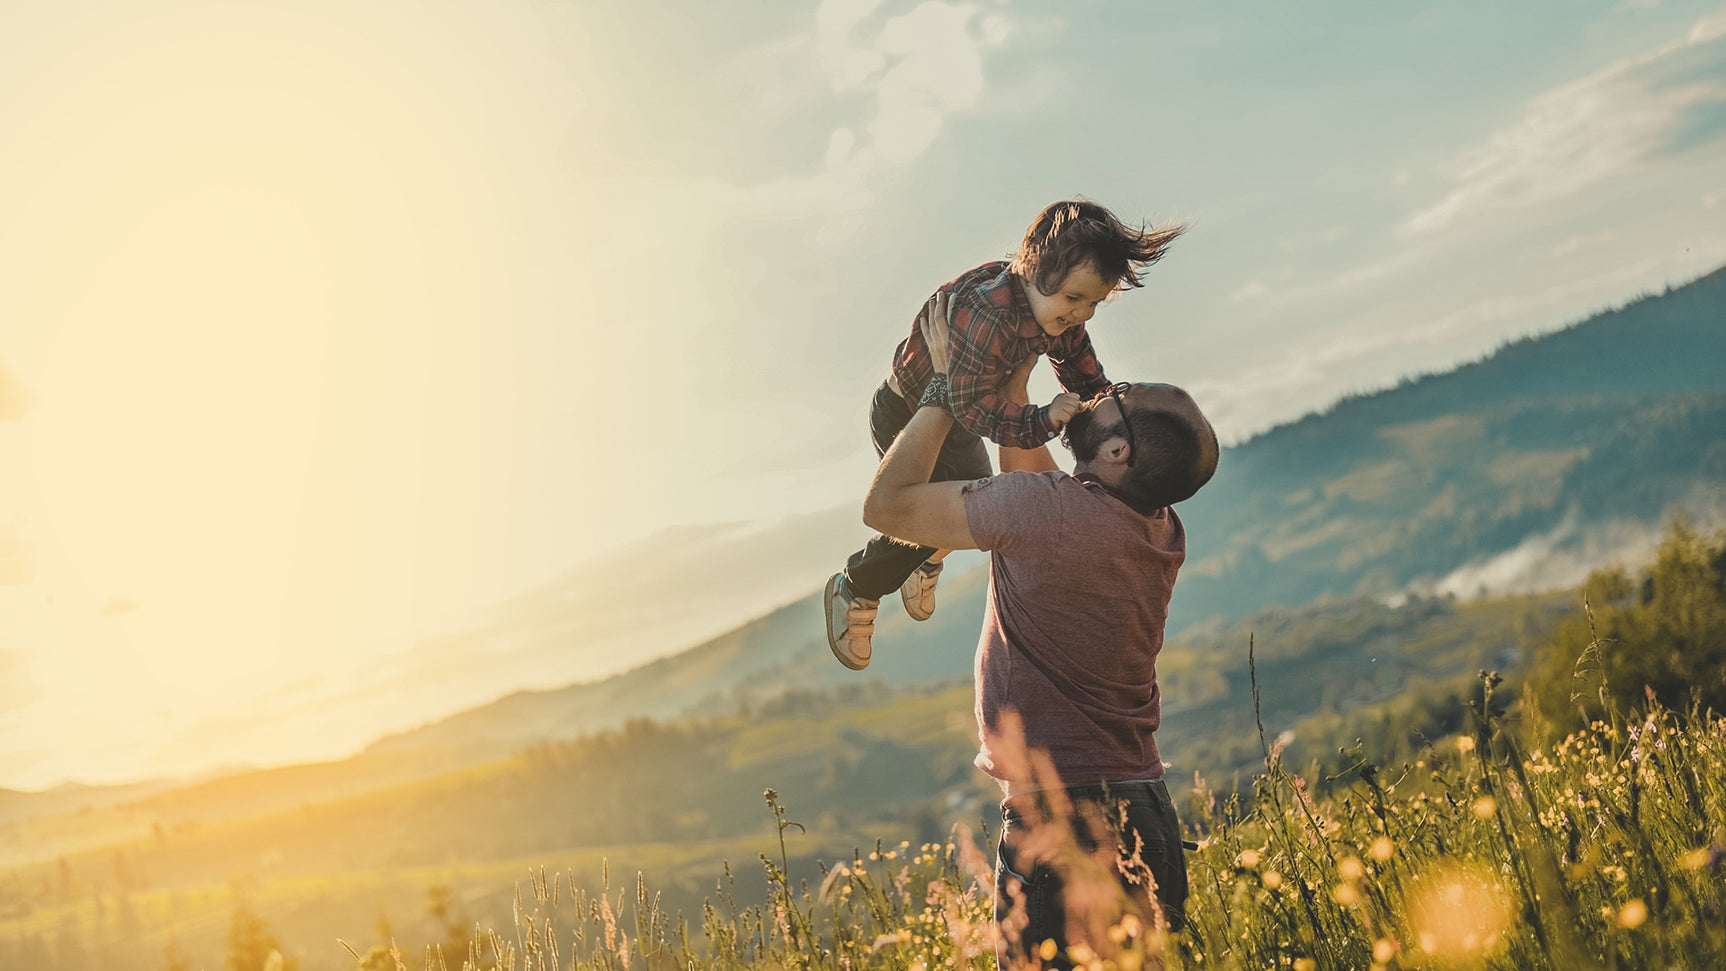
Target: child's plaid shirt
x,y
991,333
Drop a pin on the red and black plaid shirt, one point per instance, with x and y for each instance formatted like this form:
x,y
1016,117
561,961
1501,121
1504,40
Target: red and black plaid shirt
x,y
991,333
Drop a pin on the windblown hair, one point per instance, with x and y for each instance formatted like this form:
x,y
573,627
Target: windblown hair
x,y
1073,233
1172,459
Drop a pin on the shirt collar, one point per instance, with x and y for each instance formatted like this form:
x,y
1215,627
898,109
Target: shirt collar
x,y
1132,502
1028,328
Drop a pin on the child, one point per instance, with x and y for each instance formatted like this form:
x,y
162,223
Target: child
x,y
1074,255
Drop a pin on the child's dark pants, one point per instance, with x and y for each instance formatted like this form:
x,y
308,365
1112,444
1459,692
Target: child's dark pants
x,y
883,565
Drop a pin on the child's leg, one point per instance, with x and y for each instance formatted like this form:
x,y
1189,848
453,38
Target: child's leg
x,y
963,456
882,566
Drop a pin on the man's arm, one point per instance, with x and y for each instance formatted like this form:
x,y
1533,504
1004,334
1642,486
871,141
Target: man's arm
x,y
1076,364
1023,459
904,504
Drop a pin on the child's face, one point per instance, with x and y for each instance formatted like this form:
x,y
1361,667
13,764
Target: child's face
x,y
1072,303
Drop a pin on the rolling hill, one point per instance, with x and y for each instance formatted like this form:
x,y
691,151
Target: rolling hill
x,y
1576,443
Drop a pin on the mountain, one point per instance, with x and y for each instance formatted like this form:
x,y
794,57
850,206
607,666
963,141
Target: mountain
x,y
1552,444
754,663
1562,449
1518,473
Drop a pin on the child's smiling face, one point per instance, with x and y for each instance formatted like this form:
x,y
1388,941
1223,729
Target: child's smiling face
x,y
1072,303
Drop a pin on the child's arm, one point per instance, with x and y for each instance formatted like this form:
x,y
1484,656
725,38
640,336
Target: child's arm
x,y
1023,459
933,323
977,346
1076,364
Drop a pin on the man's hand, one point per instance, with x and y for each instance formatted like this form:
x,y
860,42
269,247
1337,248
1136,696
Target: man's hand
x,y
1063,408
933,322
1017,386
1023,459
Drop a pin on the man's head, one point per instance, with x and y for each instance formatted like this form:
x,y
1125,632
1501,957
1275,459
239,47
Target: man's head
x,y
1151,441
1076,253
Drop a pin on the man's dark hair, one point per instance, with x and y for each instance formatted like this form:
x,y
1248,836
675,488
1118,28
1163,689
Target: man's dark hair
x,y
1172,460
1073,233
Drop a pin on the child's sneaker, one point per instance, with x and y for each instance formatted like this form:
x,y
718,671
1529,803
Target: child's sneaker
x,y
918,591
850,624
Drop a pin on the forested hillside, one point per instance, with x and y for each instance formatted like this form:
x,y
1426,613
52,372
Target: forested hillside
x,y
1615,420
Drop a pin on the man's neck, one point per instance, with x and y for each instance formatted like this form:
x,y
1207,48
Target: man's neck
x,y
1087,474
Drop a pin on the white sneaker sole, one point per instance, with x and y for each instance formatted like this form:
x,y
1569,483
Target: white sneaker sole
x,y
836,639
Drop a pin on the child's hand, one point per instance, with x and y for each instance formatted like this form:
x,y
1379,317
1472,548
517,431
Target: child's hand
x,y
933,322
1062,409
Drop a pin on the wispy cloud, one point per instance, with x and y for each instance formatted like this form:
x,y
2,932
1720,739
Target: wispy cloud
x,y
1251,396
893,78
1593,129
912,70
16,687
15,399
1344,281
1583,241
14,556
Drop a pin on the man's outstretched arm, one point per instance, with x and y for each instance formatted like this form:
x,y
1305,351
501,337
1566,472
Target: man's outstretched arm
x,y
903,503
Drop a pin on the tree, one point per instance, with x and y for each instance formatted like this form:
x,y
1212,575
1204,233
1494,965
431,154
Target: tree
x,y
1663,632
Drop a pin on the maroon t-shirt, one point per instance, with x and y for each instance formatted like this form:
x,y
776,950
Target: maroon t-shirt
x,y
1079,587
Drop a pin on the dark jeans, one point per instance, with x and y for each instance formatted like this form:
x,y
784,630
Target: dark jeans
x,y
1118,830
879,568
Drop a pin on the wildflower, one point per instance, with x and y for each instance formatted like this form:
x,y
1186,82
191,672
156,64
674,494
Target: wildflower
x,y
1047,950
1696,859
1350,868
1345,894
1383,950
1272,879
1305,964
1458,913
1382,848
1485,806
1465,743
1249,858
1633,914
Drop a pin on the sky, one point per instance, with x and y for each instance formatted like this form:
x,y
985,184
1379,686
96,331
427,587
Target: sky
x,y
328,328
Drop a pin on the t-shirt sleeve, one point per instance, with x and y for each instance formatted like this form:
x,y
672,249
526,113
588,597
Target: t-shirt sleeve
x,y
1002,510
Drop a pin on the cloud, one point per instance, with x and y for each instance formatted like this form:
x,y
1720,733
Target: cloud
x,y
1593,129
916,69
1582,242
892,80
16,688
1252,396
117,605
1564,555
15,399
1349,279
14,556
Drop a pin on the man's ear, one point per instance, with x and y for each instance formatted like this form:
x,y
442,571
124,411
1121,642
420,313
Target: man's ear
x,y
1113,451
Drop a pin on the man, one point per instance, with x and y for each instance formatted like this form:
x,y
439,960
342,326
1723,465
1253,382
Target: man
x,y
1082,567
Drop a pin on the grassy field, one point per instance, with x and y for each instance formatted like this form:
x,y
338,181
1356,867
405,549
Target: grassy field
x,y
1604,850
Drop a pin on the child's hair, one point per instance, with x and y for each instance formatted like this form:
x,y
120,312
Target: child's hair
x,y
1077,231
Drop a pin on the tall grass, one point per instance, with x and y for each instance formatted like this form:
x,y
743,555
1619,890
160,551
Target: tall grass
x,y
1602,850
